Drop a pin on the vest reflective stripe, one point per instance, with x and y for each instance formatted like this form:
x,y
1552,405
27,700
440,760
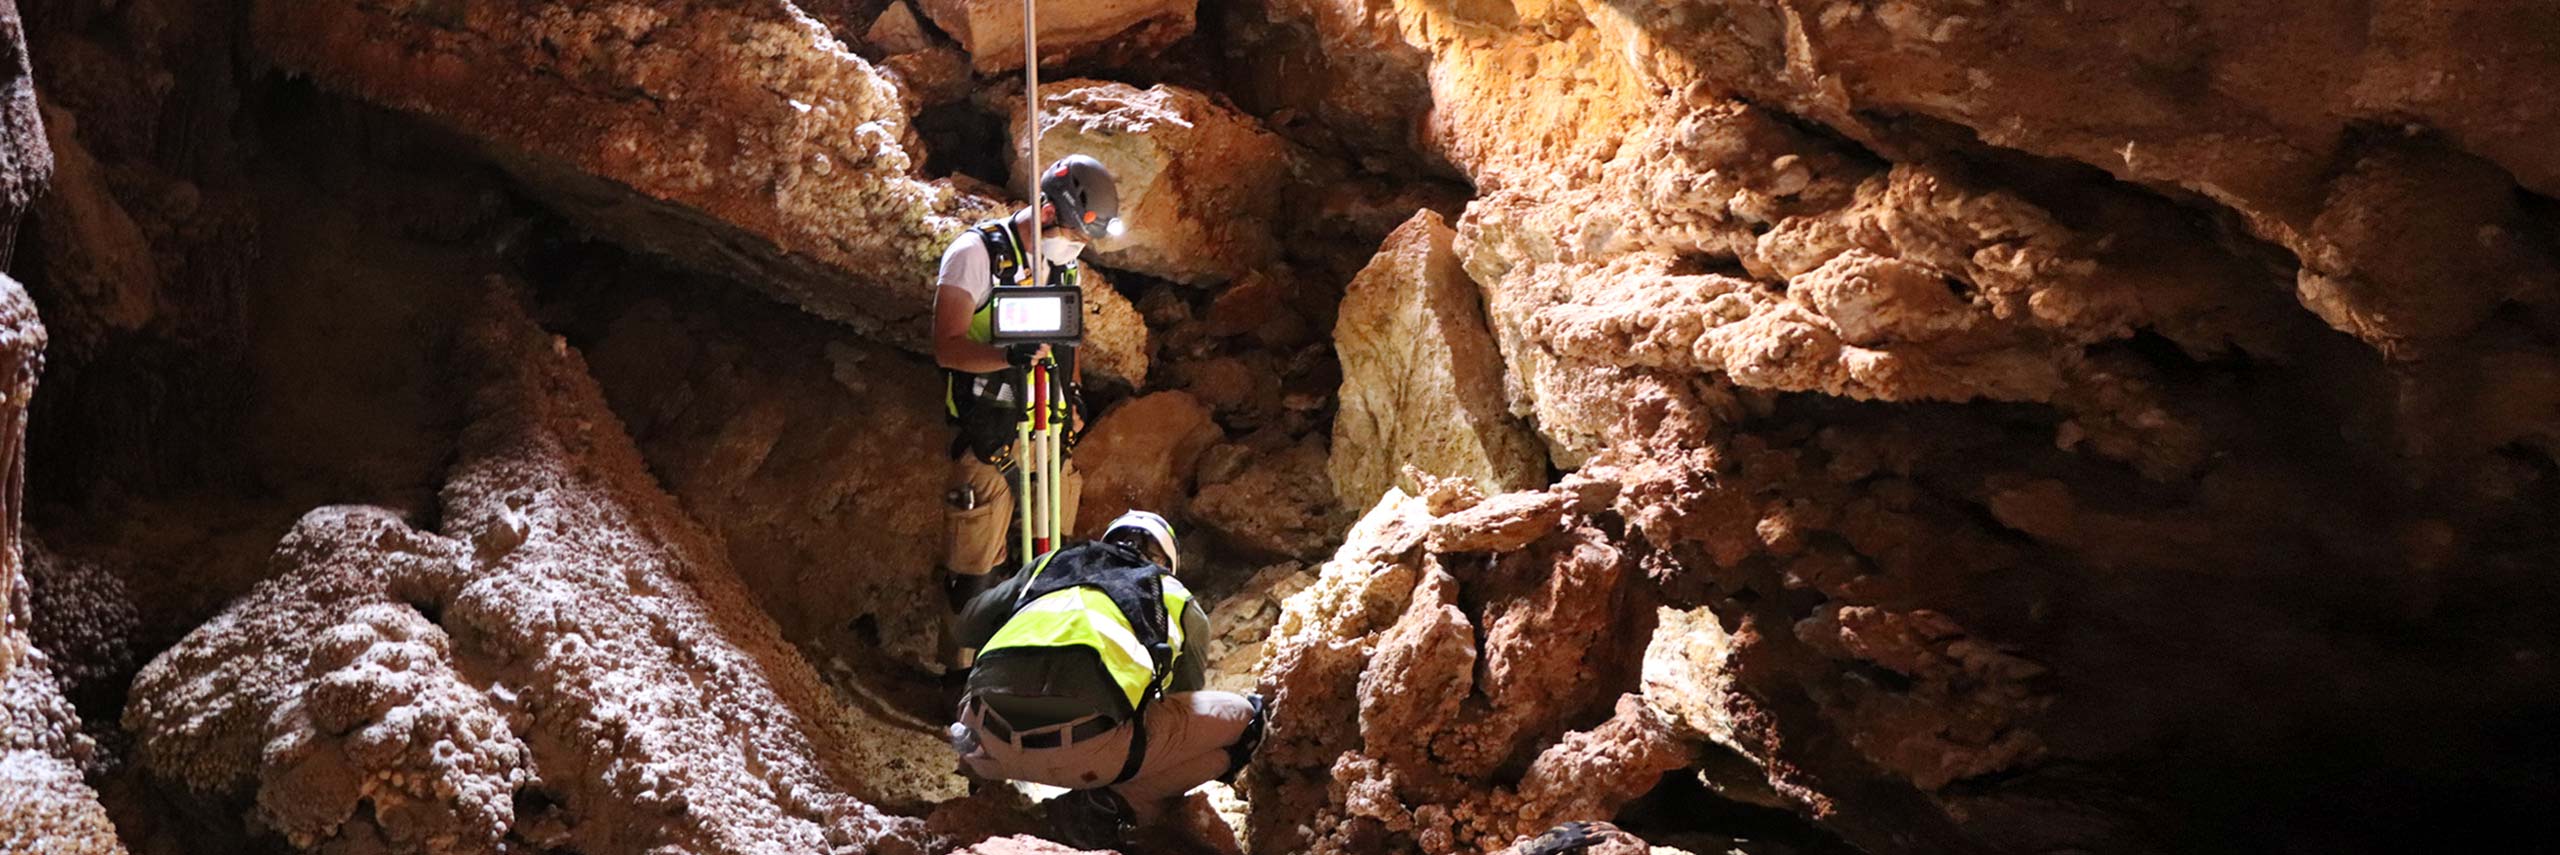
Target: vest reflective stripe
x,y
1085,617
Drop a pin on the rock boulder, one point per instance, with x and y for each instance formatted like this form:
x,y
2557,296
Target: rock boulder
x,y
1199,181
1072,30
797,443
1402,665
1421,377
1142,455
1277,506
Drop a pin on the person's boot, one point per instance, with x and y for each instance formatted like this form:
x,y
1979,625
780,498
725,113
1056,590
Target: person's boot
x,y
1091,819
958,589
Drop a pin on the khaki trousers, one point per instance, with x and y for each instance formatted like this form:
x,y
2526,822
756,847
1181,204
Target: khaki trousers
x,y
1187,738
977,535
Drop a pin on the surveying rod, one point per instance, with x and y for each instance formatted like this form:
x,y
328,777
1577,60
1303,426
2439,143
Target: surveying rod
x,y
1024,498
1022,479
1031,131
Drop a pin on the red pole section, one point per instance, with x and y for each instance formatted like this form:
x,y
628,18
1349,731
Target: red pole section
x,y
1039,425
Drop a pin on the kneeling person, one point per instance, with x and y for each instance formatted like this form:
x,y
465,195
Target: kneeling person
x,y
1088,677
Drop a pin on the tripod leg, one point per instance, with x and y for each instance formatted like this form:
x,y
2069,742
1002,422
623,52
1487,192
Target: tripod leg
x,y
1054,467
1022,493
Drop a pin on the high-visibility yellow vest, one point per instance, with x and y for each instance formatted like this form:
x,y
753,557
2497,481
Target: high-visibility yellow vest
x,y
1085,617
1005,264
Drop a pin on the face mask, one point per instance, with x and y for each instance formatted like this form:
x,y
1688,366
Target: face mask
x,y
1060,251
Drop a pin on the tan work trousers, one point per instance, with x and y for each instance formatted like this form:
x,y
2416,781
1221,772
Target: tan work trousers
x,y
977,535
1187,738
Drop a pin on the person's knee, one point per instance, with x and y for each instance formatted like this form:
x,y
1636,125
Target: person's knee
x,y
1229,708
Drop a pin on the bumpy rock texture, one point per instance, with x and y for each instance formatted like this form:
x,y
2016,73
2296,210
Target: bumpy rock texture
x,y
2025,397
85,620
1481,684
570,663
26,162
45,805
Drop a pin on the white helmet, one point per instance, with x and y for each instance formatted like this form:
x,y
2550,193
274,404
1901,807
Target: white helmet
x,y
1154,527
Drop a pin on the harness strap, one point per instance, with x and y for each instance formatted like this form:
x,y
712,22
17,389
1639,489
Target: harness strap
x,y
1137,750
1138,719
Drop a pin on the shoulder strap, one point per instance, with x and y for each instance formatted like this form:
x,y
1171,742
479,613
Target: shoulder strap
x,y
1004,254
1006,258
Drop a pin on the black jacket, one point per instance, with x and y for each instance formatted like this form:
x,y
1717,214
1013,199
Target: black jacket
x,y
1071,683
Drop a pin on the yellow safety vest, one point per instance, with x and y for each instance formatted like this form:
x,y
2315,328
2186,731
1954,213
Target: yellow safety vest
x,y
1005,264
1085,617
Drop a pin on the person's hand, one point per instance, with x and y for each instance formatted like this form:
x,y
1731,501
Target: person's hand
x,y
1073,416
1020,356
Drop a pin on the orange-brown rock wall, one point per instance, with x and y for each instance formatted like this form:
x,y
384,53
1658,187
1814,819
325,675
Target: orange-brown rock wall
x,y
2021,394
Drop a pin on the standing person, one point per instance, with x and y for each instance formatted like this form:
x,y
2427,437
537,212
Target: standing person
x,y
982,382
1090,679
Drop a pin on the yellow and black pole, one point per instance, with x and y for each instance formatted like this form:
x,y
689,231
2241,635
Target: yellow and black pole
x,y
1056,403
